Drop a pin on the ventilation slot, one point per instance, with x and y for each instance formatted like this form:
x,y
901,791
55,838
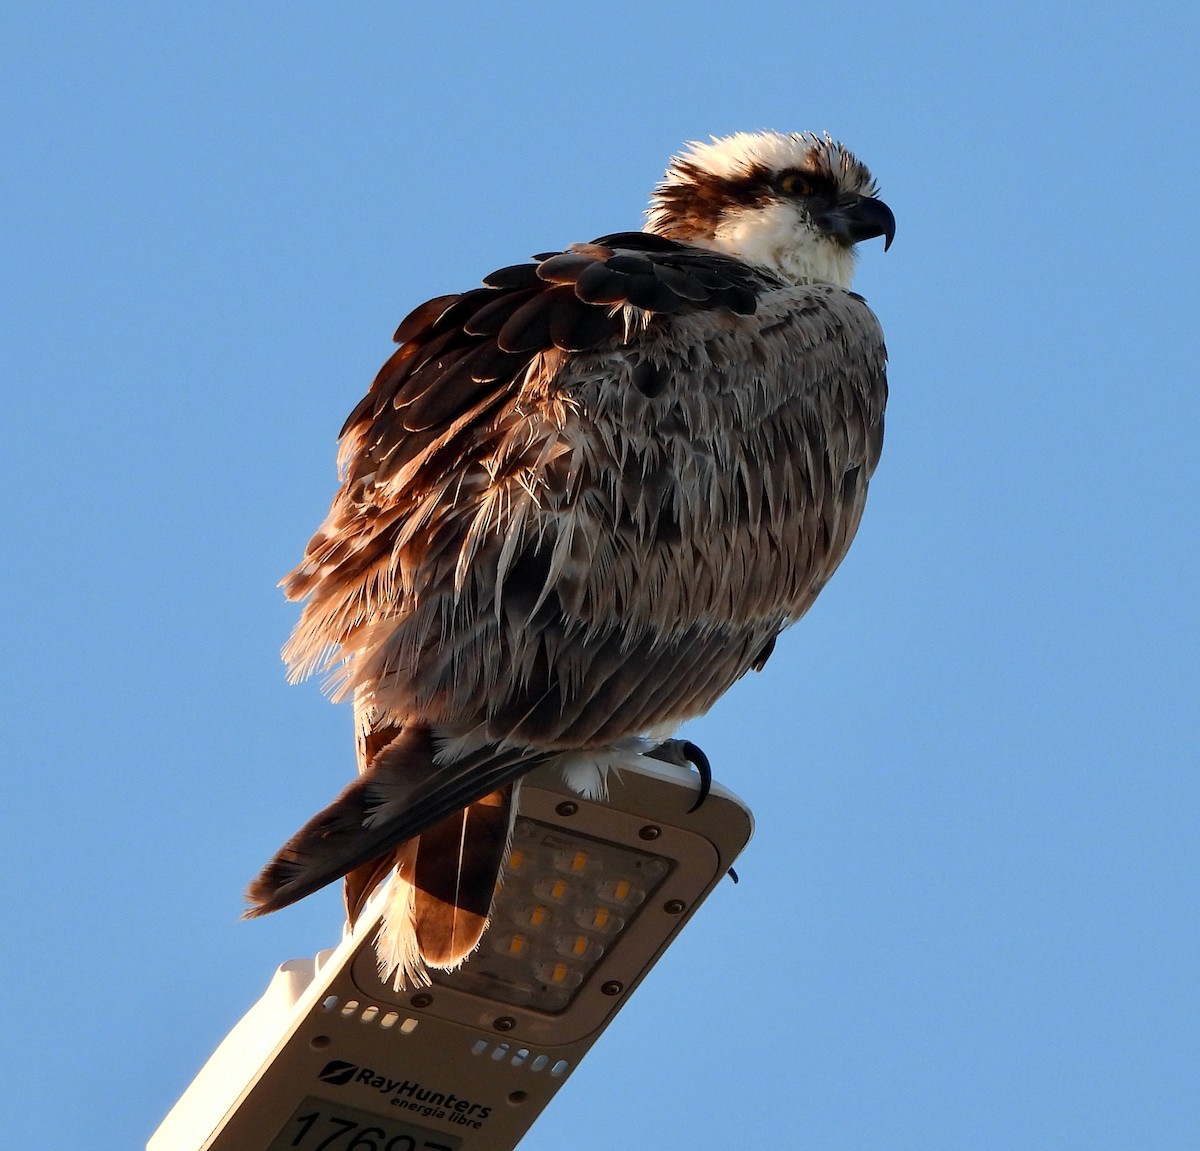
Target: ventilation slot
x,y
370,1014
521,1057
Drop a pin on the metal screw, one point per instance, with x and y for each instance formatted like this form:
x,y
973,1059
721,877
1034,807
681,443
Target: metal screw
x,y
505,1023
424,999
612,987
567,808
649,832
673,906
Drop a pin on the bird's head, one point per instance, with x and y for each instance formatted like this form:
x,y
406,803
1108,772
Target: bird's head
x,y
793,204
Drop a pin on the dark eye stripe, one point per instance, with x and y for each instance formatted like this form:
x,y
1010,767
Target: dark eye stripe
x,y
796,182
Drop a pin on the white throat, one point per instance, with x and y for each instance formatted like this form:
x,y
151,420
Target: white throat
x,y
777,237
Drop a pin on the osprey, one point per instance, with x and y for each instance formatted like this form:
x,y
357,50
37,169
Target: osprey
x,y
577,504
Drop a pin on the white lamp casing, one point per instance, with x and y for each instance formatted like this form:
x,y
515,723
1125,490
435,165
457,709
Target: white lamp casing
x,y
333,1059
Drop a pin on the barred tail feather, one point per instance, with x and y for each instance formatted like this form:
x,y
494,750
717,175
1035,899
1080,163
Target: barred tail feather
x,y
441,829
348,834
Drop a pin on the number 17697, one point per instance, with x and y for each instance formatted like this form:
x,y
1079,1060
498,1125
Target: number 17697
x,y
317,1126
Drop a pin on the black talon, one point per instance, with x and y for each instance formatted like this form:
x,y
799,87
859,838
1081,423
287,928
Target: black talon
x,y
700,762
733,875
683,752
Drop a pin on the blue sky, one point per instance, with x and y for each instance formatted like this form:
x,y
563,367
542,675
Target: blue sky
x,y
968,918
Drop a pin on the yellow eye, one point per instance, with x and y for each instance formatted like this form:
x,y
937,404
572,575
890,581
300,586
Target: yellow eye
x,y
795,184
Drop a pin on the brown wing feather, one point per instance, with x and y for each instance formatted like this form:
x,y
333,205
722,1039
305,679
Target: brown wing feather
x,y
427,412
732,510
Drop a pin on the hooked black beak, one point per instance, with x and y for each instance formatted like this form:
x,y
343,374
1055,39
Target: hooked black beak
x,y
861,218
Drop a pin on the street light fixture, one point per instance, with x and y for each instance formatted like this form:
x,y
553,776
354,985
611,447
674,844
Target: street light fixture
x,y
333,1059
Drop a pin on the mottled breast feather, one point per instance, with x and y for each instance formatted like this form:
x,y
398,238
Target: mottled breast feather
x,y
579,502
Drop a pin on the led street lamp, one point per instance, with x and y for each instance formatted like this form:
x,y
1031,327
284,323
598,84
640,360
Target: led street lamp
x,y
333,1059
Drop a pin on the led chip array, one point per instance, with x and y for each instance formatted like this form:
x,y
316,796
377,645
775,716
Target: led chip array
x,y
563,902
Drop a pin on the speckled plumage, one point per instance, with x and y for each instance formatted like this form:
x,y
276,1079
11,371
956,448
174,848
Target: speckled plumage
x,y
577,505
